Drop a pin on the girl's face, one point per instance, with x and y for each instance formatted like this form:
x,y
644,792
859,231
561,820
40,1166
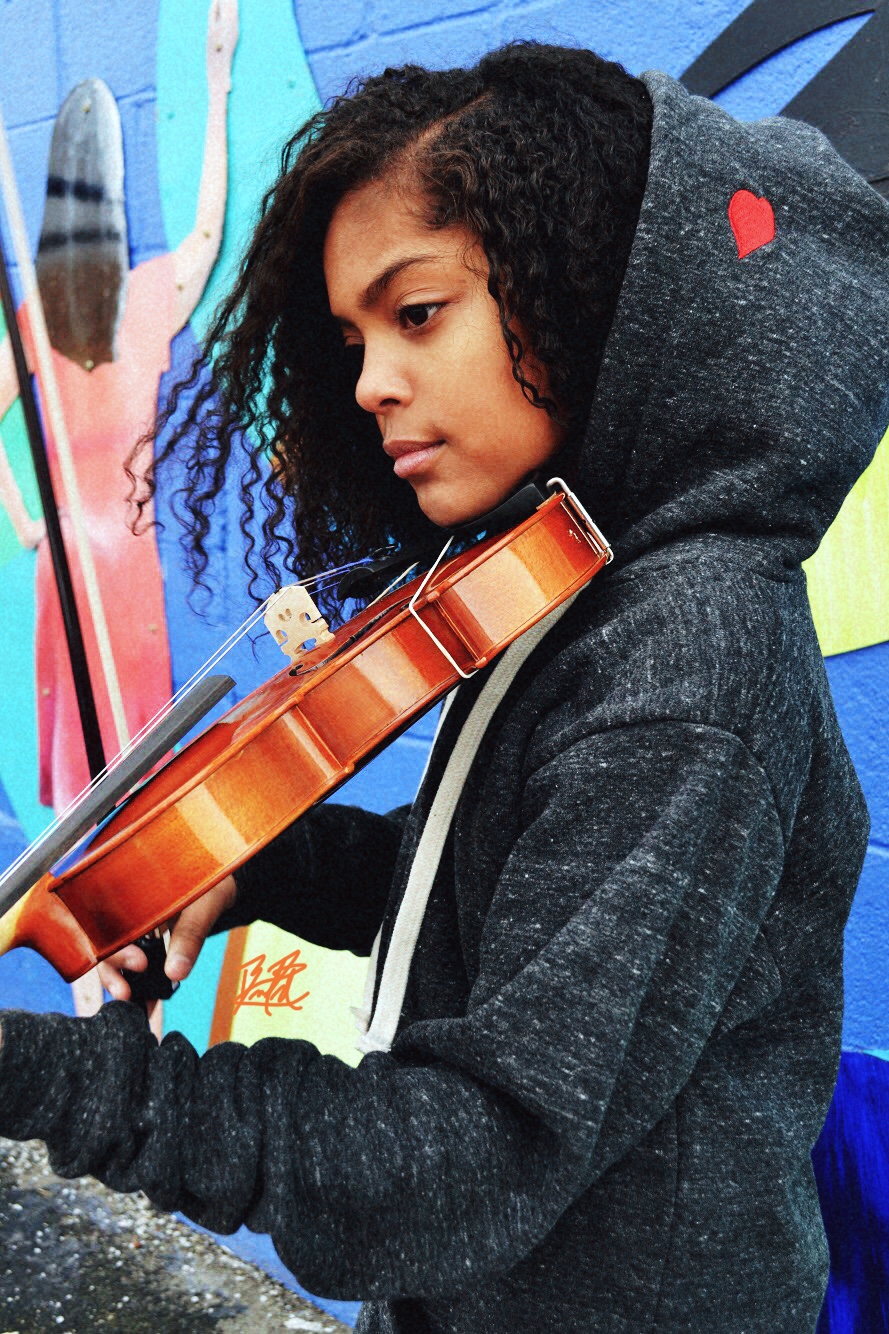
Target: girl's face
x,y
435,370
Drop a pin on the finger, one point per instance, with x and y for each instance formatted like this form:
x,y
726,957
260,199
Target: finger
x,y
110,970
87,993
131,957
188,936
117,987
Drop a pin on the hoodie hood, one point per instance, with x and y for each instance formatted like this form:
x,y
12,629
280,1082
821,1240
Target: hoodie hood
x,y
745,381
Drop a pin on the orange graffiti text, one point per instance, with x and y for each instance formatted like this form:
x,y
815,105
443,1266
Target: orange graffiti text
x,y
270,987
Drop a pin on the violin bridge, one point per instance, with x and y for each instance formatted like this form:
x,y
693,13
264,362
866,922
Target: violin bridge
x,y
295,623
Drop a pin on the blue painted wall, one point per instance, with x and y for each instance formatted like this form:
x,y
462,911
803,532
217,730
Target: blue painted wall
x,y
47,45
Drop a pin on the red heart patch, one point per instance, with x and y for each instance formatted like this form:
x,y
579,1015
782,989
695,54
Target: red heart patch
x,y
752,221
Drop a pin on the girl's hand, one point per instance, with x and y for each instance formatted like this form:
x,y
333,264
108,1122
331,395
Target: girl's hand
x,y
189,931
222,38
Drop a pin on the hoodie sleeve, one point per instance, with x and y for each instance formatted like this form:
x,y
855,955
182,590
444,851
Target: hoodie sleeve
x,y
326,878
620,924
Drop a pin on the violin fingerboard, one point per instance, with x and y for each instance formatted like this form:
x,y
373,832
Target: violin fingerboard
x,y
101,800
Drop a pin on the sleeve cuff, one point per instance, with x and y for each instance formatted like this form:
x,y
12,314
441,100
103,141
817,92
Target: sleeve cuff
x,y
48,1061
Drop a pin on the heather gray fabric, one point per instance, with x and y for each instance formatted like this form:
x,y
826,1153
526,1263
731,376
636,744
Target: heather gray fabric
x,y
622,1023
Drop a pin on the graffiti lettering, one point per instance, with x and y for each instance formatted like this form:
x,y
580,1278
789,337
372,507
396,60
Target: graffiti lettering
x,y
270,988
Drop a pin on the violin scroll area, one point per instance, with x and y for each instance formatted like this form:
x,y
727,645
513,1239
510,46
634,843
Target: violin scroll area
x,y
295,623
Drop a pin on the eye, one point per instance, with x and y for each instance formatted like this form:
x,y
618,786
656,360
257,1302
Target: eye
x,y
416,316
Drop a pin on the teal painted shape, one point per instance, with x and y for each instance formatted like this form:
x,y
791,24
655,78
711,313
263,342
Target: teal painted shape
x,y
190,1009
18,732
272,94
14,436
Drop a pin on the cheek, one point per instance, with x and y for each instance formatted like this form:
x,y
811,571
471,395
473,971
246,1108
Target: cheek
x,y
499,367
489,379
488,397
504,403
479,344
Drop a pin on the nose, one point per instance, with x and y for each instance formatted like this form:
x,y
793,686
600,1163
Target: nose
x,y
383,381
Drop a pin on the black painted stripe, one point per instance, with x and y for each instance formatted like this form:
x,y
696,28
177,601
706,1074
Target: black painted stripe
x,y
59,187
80,236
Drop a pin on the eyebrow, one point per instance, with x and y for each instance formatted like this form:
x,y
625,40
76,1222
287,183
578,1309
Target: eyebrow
x,y
375,289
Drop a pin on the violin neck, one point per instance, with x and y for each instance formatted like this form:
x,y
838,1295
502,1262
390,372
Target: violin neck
x,y
101,800
8,927
41,921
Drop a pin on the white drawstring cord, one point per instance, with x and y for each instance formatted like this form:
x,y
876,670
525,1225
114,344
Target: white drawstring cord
x,y
378,1033
362,1012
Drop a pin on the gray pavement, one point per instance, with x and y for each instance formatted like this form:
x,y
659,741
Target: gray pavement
x,y
76,1257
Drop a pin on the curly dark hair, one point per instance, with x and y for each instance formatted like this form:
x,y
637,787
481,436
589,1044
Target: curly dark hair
x,y
542,153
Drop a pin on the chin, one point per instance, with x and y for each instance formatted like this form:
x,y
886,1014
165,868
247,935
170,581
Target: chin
x,y
443,511
447,510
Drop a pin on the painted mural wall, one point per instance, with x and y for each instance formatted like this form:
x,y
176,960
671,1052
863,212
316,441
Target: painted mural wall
x,y
202,112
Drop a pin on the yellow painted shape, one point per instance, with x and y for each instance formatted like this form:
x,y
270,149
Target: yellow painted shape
x,y
848,576
334,980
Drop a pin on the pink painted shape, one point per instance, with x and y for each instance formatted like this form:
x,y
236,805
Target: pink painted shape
x,y
106,410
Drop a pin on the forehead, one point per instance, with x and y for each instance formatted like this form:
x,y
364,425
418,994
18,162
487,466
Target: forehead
x,y
375,227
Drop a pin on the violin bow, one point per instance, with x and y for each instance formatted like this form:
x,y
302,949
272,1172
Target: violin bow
x,y
53,406
83,686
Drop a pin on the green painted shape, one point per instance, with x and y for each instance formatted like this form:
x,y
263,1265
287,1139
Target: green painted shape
x,y
848,577
272,94
334,980
18,732
15,442
190,1009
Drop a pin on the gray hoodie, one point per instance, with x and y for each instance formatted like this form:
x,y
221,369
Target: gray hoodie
x,y
622,1020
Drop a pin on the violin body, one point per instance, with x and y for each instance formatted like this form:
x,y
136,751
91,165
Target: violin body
x,y
297,737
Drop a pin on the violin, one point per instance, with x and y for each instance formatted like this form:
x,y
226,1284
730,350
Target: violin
x,y
290,743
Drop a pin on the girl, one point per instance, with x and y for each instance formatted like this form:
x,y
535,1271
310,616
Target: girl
x,y
621,1022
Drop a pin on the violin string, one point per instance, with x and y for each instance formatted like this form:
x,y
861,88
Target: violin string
x,y
234,638
315,580
394,584
206,667
153,722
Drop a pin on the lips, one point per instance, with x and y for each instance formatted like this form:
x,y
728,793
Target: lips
x,y
411,455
